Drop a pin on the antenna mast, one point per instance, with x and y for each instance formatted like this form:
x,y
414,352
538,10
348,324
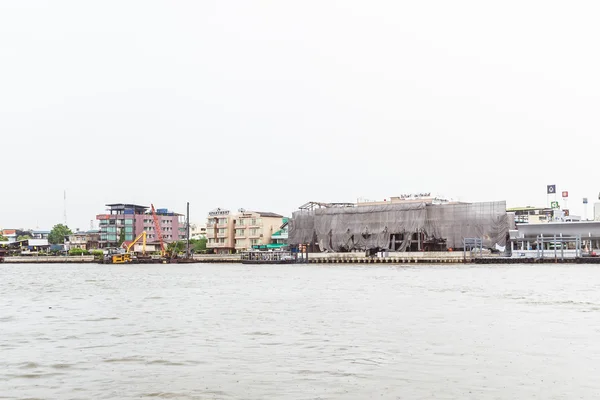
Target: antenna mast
x,y
65,206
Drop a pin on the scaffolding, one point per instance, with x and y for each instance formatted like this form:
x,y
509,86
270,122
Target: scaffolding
x,y
342,227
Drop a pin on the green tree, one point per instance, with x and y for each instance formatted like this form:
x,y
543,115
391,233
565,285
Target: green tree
x,y
175,248
121,236
23,237
58,233
3,238
198,245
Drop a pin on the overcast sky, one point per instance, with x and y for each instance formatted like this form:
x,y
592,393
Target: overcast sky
x,y
268,104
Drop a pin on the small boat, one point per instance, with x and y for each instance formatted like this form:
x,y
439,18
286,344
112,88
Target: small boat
x,y
268,257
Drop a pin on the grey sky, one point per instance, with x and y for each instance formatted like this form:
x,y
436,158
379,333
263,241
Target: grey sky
x,y
268,104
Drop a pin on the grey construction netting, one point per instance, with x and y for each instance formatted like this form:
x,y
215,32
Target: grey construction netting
x,y
370,227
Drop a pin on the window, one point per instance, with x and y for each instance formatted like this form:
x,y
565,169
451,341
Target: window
x,y
254,241
128,222
240,232
254,232
222,231
129,229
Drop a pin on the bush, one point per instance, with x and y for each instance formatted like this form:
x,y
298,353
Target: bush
x,y
98,254
78,252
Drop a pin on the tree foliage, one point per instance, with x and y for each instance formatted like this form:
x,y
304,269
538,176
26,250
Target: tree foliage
x,y
121,237
58,233
198,245
23,237
175,248
3,238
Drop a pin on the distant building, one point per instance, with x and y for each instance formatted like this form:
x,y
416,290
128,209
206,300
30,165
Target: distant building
x,y
230,233
531,215
417,198
40,234
127,221
197,231
10,234
89,240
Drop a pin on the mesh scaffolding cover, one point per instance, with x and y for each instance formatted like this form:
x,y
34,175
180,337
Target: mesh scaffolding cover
x,y
369,227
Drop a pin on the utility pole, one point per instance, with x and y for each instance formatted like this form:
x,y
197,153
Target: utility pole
x,y
187,229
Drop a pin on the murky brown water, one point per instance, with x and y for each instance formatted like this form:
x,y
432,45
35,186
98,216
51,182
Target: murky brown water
x,y
299,332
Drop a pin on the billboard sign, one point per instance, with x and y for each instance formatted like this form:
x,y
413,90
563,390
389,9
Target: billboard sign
x,y
565,194
551,189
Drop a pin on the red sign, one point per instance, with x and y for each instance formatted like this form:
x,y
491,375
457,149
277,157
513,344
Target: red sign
x,y
565,194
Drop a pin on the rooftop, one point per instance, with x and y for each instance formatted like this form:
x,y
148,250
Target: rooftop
x,y
123,206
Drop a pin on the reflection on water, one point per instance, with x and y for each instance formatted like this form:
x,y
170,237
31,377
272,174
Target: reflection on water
x,y
299,332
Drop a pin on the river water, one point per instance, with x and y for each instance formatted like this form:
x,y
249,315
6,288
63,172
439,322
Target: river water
x,y
208,331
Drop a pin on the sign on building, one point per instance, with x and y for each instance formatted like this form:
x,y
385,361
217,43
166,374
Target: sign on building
x,y
551,189
554,204
218,212
565,194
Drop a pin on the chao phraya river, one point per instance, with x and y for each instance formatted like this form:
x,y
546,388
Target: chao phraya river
x,y
207,331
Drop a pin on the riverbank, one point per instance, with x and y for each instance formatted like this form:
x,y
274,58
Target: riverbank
x,y
49,259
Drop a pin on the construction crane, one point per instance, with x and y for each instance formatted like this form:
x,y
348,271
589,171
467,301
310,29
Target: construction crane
x,y
158,231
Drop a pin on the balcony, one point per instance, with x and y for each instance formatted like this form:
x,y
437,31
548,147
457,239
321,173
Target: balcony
x,y
217,245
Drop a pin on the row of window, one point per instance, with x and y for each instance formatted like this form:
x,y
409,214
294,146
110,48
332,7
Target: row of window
x,y
237,222
116,222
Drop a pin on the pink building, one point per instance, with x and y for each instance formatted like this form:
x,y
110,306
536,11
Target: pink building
x,y
127,221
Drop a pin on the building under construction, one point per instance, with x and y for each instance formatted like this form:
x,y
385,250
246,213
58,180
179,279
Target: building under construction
x,y
407,223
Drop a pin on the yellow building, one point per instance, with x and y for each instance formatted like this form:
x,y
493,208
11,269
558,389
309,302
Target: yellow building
x,y
230,233
254,228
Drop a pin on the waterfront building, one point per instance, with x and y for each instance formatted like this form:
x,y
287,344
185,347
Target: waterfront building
x,y
280,238
89,240
254,229
123,222
526,238
229,233
220,232
399,226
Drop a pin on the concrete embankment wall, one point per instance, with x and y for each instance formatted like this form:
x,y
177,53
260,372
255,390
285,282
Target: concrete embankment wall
x,y
329,258
391,257
217,258
48,259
